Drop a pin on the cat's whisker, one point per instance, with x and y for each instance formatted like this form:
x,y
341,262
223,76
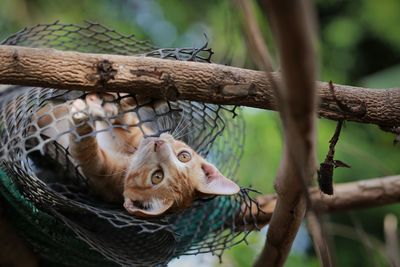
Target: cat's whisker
x,y
166,124
182,131
177,133
176,129
180,120
170,125
180,123
187,133
185,129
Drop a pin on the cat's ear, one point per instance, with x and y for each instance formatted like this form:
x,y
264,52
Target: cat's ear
x,y
214,183
153,208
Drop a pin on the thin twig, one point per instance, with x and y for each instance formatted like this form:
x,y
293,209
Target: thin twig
x,y
364,238
319,239
349,232
256,46
325,172
392,239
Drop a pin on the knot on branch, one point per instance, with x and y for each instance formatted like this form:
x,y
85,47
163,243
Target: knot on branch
x,y
105,71
358,108
238,90
15,55
170,92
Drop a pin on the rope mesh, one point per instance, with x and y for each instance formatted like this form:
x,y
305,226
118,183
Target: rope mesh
x,y
47,195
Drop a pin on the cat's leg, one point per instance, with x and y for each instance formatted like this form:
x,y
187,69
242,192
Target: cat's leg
x,y
102,167
132,132
84,146
119,136
128,133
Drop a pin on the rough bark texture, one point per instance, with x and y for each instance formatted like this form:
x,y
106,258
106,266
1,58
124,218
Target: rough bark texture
x,y
360,194
347,196
185,80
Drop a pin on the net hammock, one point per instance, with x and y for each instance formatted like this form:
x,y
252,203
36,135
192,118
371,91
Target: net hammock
x,y
47,197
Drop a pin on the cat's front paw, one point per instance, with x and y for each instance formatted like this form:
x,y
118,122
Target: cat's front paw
x,y
80,117
79,111
94,104
101,105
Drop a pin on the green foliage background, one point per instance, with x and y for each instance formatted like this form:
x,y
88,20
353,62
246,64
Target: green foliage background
x,y
359,44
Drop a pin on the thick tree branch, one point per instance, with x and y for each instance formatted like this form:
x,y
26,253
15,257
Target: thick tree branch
x,y
185,80
353,195
297,105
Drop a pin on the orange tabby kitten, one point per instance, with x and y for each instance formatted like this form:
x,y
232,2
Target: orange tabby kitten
x,y
150,175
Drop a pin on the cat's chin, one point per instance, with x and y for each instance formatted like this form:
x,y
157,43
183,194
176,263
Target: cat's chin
x,y
152,208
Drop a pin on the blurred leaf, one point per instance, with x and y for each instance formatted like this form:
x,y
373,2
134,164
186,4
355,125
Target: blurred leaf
x,y
386,78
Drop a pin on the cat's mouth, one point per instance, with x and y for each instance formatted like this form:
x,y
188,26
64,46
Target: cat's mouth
x,y
140,205
154,207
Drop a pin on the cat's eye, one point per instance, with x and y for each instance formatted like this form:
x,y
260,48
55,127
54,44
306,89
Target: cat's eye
x,y
157,177
184,156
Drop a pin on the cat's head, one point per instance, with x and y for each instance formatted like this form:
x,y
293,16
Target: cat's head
x,y
167,174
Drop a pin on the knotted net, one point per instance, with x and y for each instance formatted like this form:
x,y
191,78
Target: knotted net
x,y
48,198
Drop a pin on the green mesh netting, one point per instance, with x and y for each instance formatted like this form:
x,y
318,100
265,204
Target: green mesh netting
x,y
48,199
41,230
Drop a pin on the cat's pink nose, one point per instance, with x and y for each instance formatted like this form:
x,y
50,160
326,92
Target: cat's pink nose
x,y
158,144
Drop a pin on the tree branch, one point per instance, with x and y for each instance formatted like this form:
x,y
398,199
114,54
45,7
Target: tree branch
x,y
257,48
297,105
353,195
210,83
318,235
392,239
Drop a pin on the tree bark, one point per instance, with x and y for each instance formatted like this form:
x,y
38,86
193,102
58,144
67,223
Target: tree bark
x,y
353,195
210,83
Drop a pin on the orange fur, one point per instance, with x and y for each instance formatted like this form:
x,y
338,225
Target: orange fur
x,y
122,168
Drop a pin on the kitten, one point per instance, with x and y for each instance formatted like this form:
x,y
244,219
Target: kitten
x,y
149,175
